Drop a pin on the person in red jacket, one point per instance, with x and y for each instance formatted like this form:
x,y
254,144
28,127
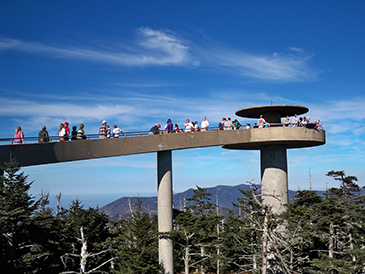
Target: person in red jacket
x,y
67,130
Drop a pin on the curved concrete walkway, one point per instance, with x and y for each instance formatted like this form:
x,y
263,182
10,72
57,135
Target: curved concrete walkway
x,y
247,139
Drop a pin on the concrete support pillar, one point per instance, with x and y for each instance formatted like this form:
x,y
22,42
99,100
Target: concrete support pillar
x,y
164,196
274,176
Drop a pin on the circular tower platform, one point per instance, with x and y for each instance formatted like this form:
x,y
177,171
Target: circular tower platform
x,y
273,142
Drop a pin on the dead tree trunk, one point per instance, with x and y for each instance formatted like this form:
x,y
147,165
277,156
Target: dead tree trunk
x,y
264,242
186,260
84,253
187,251
330,244
58,197
202,255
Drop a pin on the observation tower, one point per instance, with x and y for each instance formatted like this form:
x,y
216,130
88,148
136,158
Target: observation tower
x,y
273,142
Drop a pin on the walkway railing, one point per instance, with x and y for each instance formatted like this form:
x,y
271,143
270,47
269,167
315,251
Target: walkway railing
x,y
57,138
6,141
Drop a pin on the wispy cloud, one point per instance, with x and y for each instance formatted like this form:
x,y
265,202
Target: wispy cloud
x,y
61,109
292,66
153,48
166,48
158,108
341,115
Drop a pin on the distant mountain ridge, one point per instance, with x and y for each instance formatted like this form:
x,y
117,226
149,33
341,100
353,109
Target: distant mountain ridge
x,y
122,207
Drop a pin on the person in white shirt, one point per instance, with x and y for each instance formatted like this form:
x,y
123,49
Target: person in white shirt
x,y
204,125
304,122
188,126
262,122
61,133
228,124
295,121
117,131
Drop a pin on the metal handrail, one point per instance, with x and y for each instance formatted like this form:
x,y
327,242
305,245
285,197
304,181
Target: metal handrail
x,y
126,134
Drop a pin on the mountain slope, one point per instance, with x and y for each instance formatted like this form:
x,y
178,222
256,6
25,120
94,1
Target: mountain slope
x,y
226,195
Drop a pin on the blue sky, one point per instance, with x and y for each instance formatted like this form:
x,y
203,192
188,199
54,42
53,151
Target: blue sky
x,y
137,63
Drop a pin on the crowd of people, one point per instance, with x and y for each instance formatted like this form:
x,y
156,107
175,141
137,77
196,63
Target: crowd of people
x,y
228,124
64,133
300,122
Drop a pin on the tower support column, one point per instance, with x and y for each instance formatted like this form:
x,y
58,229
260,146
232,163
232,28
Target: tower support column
x,y
274,176
164,201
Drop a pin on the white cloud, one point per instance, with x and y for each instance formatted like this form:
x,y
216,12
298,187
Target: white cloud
x,y
165,48
154,48
168,49
341,115
32,108
277,66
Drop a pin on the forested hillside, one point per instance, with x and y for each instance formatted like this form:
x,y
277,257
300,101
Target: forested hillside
x,y
223,196
316,234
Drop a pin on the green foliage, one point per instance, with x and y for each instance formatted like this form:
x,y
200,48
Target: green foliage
x,y
16,209
96,232
32,239
347,183
137,243
197,234
326,231
316,234
201,202
241,244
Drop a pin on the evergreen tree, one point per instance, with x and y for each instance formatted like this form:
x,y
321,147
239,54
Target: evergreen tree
x,y
81,226
240,246
201,203
16,209
137,243
243,235
198,233
347,183
327,232
47,229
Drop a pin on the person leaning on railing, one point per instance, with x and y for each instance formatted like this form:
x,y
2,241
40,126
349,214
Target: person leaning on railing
x,y
262,123
155,129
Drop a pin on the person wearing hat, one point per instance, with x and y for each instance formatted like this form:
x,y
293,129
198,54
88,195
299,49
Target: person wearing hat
x,y
67,130
155,129
104,130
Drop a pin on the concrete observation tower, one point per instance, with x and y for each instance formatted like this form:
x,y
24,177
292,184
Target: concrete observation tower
x,y
273,142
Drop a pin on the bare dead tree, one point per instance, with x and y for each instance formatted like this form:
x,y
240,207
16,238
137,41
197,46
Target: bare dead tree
x,y
84,255
266,234
58,197
44,200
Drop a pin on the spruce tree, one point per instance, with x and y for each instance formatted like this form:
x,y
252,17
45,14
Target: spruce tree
x,y
198,233
16,209
327,231
82,226
137,243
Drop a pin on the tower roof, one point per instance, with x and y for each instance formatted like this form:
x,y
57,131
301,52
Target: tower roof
x,y
281,110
